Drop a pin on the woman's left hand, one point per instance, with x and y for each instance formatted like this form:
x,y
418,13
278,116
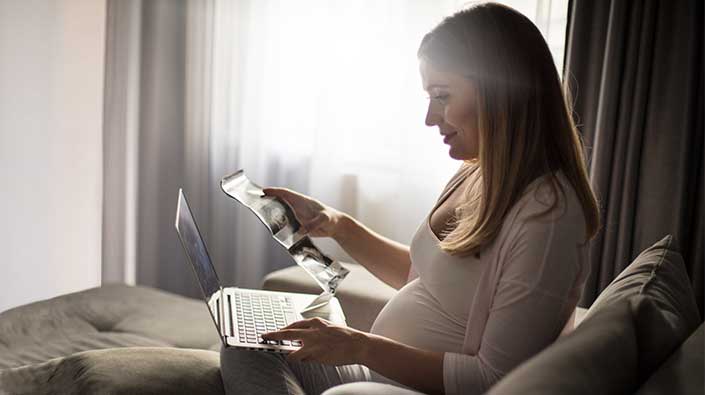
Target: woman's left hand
x,y
323,341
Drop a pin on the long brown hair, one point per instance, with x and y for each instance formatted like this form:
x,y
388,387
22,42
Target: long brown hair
x,y
524,120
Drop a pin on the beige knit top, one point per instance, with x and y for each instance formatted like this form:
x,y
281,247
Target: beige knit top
x,y
491,313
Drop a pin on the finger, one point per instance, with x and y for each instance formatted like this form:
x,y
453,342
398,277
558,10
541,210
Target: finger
x,y
271,191
310,354
307,323
317,322
300,355
289,198
283,193
301,324
286,334
316,222
278,193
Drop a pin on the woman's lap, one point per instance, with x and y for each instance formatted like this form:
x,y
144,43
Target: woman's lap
x,y
369,388
255,372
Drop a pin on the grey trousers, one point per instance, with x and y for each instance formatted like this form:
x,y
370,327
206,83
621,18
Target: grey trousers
x,y
253,373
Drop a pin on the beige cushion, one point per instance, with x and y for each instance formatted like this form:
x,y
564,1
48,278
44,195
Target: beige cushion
x,y
105,317
361,294
68,344
132,370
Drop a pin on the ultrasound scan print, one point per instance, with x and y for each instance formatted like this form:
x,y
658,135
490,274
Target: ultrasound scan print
x,y
286,230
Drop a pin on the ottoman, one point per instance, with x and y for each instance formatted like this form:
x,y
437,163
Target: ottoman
x,y
112,339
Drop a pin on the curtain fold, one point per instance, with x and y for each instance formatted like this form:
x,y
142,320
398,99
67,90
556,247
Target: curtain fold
x,y
635,69
162,146
121,130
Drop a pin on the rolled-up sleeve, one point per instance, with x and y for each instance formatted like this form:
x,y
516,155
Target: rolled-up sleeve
x,y
534,297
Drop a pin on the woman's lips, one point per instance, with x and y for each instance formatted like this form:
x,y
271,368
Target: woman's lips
x,y
447,138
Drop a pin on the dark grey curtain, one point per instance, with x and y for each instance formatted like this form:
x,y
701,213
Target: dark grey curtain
x,y
636,73
164,131
147,72
160,261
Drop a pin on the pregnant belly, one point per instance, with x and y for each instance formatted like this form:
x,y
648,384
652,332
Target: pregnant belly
x,y
414,317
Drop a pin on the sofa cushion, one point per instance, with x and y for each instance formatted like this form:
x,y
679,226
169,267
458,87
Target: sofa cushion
x,y
361,294
598,357
658,273
105,317
133,370
682,373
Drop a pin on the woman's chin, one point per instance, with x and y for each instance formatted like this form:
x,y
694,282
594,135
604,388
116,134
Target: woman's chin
x,y
454,154
460,155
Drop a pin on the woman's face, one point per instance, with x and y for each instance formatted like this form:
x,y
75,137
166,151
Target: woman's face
x,y
453,108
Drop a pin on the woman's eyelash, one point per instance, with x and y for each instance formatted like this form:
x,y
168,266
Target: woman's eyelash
x,y
441,97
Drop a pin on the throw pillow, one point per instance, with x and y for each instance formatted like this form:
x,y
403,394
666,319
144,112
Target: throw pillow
x,y
659,274
598,357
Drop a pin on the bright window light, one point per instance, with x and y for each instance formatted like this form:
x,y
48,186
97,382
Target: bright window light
x,y
333,91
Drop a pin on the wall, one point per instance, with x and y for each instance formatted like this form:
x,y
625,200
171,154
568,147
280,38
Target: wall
x,y
51,110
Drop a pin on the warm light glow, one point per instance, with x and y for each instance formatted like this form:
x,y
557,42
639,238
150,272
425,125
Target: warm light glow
x,y
334,91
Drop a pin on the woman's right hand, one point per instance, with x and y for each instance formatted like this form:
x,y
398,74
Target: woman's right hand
x,y
317,219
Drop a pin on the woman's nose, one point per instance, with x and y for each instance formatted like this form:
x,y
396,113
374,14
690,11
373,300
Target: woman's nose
x,y
432,116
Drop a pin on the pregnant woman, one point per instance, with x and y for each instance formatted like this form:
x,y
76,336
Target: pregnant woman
x,y
494,272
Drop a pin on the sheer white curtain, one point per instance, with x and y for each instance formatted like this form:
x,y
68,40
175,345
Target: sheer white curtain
x,y
325,98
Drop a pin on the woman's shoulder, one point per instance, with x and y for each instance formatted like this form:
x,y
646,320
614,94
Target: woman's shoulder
x,y
543,231
550,199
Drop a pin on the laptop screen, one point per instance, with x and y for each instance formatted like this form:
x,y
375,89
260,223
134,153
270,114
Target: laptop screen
x,y
197,254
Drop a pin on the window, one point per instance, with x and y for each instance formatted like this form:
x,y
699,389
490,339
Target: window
x,y
328,100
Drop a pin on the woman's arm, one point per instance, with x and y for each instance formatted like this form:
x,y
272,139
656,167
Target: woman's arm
x,y
388,260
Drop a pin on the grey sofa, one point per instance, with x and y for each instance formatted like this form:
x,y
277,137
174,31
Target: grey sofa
x,y
638,336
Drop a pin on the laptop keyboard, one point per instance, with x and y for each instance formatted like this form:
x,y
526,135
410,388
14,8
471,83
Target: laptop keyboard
x,y
258,313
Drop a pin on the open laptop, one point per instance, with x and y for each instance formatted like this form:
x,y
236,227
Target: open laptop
x,y
241,315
